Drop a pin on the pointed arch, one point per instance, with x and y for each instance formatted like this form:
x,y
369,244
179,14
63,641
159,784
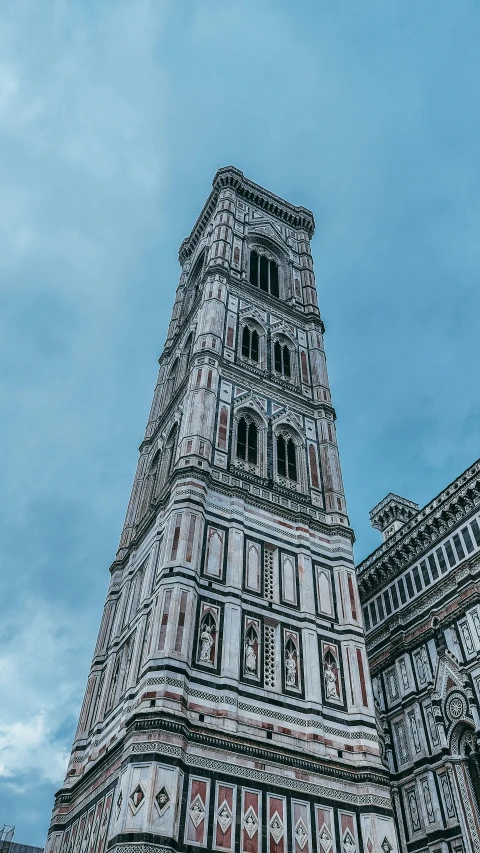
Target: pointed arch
x,y
289,457
283,356
249,440
252,341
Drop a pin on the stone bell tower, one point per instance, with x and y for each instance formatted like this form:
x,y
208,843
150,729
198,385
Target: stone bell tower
x,y
229,704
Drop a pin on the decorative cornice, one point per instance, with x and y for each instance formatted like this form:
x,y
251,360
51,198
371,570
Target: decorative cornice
x,y
231,744
420,533
392,508
229,176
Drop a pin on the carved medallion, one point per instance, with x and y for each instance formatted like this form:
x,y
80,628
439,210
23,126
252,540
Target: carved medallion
x,y
197,811
250,822
276,827
224,816
301,833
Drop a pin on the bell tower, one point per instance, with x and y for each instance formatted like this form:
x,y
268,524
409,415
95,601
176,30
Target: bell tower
x,y
229,704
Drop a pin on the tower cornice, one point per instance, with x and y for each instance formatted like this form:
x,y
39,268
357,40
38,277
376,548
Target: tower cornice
x,y
428,526
229,176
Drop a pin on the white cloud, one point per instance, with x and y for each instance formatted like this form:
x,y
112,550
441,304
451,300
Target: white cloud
x,y
29,745
39,688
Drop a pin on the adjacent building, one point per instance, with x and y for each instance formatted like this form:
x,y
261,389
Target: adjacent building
x,y
229,705
420,594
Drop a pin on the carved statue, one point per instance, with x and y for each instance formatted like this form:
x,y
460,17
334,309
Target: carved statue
x,y
206,643
250,656
291,666
331,691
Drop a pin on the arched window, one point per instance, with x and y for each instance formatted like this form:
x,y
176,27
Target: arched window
x,y
246,337
263,273
250,344
281,358
286,458
247,441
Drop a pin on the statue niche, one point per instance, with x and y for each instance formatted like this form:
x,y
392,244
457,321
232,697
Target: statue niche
x,y
207,640
251,652
331,675
291,665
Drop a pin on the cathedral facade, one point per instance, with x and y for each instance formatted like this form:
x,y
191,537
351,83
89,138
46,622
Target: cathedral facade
x,y
420,594
229,705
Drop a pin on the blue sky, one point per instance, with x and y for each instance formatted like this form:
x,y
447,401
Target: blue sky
x,y
114,116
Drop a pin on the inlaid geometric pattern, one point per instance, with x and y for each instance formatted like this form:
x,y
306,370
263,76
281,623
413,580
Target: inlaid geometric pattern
x,y
276,827
325,838
250,822
197,811
224,816
301,834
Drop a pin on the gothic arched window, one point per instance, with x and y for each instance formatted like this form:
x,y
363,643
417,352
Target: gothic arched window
x,y
263,273
247,441
281,358
286,458
250,344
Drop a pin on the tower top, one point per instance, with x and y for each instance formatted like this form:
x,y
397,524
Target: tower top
x,y
392,513
230,177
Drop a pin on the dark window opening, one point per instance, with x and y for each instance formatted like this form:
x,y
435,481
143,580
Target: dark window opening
x,y
278,357
393,590
401,589
286,458
475,530
264,273
254,346
381,614
388,606
468,540
247,441
433,566
366,618
450,554
281,457
458,546
250,344
291,460
417,579
281,358
246,342
254,268
441,560
425,575
408,581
